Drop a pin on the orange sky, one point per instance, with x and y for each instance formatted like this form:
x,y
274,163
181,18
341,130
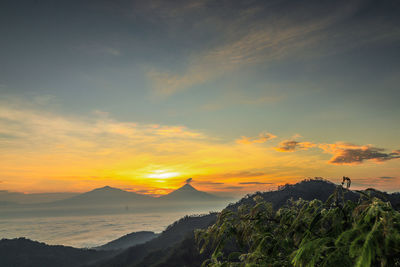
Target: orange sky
x,y
238,95
46,152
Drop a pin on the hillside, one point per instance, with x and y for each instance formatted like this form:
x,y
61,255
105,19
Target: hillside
x,y
312,189
335,232
160,246
23,252
177,245
128,240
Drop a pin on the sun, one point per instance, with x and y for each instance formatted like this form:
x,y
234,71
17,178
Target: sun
x,y
162,174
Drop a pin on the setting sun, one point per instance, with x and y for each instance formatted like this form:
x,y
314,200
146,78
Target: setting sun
x,y
162,174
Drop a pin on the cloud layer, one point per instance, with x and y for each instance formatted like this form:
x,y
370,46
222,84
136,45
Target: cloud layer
x,y
292,145
261,138
52,151
344,153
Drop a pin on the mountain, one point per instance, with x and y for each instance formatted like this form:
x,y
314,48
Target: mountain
x,y
189,193
106,196
128,240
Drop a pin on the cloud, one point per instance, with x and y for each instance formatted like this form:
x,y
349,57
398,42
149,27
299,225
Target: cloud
x,y
58,151
387,177
350,154
142,191
261,138
257,33
170,9
233,187
99,49
26,126
175,131
254,183
209,183
292,145
232,98
241,174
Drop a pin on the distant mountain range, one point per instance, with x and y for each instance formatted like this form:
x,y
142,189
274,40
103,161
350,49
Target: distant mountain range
x,y
106,195
176,245
109,200
7,197
110,196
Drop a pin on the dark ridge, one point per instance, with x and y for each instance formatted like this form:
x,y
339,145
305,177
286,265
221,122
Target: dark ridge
x,y
23,252
174,234
128,240
184,253
310,189
307,189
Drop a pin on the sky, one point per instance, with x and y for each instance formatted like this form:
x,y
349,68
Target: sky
x,y
240,96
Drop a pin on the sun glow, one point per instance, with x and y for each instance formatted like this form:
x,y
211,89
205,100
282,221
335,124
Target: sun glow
x,y
162,174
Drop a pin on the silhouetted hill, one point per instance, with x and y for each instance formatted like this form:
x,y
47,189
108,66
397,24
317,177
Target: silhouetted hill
x,y
311,189
307,189
105,196
161,245
189,193
128,240
184,253
21,252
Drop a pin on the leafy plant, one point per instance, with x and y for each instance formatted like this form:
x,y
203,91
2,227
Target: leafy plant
x,y
305,233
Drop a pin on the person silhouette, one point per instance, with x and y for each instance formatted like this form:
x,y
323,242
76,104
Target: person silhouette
x,y
347,180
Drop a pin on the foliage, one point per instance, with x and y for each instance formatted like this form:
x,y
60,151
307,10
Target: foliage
x,y
305,233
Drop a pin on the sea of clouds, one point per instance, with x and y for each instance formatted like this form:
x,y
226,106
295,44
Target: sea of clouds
x,y
85,231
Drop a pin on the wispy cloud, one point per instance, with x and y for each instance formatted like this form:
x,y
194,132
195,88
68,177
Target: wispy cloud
x,y
248,40
233,187
254,183
232,98
261,138
99,49
241,174
292,145
209,183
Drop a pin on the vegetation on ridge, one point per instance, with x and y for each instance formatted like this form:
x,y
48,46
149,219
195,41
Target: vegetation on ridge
x,y
306,233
